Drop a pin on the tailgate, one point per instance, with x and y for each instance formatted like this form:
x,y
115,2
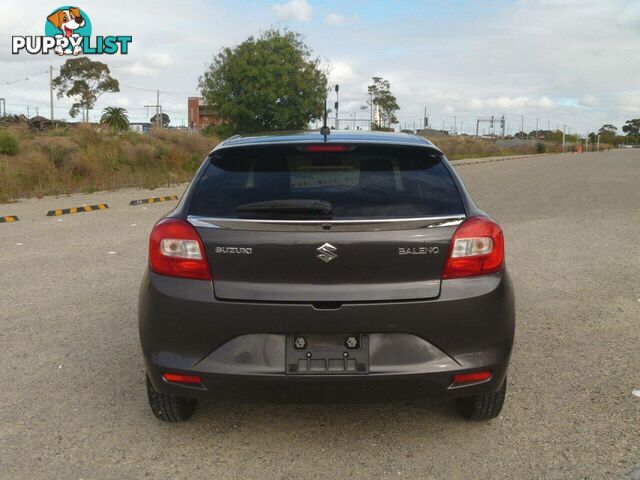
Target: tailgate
x,y
327,266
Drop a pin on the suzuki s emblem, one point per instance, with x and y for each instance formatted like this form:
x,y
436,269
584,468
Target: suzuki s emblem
x,y
327,252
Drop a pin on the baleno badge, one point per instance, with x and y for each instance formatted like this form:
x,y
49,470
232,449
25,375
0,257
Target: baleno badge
x,y
418,250
327,252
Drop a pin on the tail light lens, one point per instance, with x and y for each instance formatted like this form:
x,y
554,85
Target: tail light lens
x,y
477,248
175,250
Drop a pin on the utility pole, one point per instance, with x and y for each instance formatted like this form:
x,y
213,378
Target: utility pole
x,y
522,127
337,106
426,119
3,108
598,142
455,125
51,91
371,111
158,108
158,119
564,128
536,128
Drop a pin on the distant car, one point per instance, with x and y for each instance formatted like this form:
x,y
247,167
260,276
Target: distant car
x,y
355,260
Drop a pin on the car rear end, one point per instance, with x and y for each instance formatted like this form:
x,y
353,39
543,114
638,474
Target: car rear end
x,y
348,262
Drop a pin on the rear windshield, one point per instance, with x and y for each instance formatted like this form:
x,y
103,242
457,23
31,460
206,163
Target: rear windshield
x,y
363,183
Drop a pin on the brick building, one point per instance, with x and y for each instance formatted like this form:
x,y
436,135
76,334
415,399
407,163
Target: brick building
x,y
200,116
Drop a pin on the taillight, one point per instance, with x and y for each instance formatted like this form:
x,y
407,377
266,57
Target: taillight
x,y
175,250
477,248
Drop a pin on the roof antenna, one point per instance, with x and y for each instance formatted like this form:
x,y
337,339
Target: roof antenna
x,y
325,130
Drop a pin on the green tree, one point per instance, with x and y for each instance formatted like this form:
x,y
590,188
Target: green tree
x,y
164,119
608,133
632,129
265,84
382,103
607,129
84,81
116,118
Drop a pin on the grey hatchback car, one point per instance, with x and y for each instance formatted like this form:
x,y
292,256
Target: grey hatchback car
x,y
353,261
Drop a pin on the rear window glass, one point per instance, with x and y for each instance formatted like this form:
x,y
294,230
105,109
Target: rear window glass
x,y
363,183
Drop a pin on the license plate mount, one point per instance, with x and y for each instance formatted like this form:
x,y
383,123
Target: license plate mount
x,y
327,354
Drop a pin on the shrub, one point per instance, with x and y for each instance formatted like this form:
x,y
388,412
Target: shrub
x,y
8,143
84,158
58,149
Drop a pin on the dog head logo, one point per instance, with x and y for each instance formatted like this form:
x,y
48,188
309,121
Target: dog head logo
x,y
71,23
67,21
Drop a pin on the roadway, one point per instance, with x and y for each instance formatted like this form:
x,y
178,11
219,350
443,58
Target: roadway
x,y
72,398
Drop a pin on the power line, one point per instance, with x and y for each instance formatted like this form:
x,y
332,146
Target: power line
x,y
11,82
164,92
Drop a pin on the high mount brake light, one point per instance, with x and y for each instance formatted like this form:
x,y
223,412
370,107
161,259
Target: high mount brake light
x,y
327,148
477,248
175,250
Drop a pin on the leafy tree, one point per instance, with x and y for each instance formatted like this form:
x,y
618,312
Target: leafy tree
x,y
607,129
84,81
632,128
164,118
116,118
265,83
607,134
382,101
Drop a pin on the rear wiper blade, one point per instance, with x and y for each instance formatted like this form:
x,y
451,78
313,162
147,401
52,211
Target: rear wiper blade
x,y
288,206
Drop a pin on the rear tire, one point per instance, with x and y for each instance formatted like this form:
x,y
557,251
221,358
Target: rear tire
x,y
484,406
170,408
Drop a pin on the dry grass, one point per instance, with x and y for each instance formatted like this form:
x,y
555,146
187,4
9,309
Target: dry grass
x,y
85,158
470,147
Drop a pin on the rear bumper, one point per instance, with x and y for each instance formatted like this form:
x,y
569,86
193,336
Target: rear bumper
x,y
238,347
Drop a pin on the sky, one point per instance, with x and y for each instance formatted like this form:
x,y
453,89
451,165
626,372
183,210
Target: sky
x,y
550,62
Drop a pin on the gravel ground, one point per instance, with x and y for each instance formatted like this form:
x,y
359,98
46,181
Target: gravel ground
x,y
72,399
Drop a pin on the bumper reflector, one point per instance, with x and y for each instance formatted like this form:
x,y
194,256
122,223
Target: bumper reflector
x,y
471,377
178,378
